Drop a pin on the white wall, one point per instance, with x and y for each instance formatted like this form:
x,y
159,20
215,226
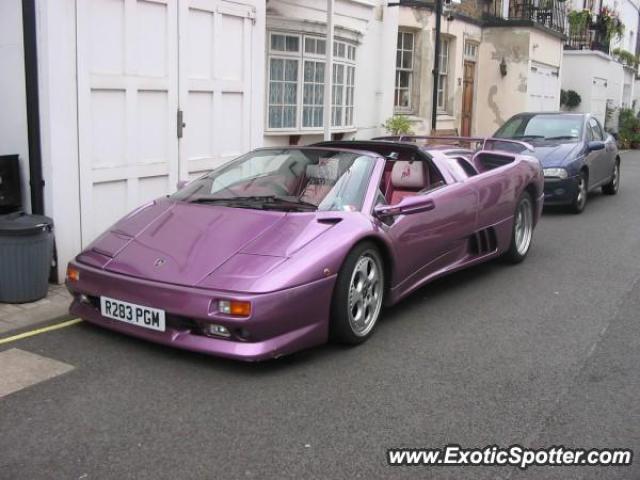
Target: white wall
x,y
582,68
58,121
13,107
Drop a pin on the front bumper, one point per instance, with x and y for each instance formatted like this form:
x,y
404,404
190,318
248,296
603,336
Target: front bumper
x,y
560,191
280,323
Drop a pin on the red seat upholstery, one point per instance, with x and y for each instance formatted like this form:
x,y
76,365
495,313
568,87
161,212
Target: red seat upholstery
x,y
407,179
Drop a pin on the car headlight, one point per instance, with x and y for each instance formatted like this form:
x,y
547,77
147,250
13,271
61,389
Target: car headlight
x,y
555,173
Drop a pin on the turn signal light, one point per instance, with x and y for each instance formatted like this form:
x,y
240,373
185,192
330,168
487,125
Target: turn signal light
x,y
73,274
234,307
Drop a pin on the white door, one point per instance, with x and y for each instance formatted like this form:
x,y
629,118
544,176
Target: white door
x,y
127,103
543,88
140,62
599,98
216,38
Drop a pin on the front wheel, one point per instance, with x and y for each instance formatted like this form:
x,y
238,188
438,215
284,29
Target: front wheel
x,y
612,187
358,295
522,230
582,192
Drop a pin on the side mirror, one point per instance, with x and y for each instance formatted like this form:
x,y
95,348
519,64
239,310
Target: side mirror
x,y
181,184
595,145
408,206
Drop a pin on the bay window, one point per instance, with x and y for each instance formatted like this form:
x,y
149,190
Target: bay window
x,y
296,88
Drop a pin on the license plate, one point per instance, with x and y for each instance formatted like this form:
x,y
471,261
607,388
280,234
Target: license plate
x,y
146,317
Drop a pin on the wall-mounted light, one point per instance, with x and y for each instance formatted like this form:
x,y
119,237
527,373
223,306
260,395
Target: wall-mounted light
x,y
503,68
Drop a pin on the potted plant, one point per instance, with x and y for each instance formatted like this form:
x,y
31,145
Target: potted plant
x,y
398,125
610,25
579,21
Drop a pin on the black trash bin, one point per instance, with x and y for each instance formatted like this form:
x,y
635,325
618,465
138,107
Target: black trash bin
x,y
26,250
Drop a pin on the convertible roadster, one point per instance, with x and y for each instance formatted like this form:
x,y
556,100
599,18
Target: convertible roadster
x,y
284,248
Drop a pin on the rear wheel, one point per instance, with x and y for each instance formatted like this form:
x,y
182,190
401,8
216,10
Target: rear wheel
x,y
580,199
612,187
522,230
358,295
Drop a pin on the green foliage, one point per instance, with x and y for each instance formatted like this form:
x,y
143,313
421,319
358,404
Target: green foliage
x,y
398,125
610,24
579,21
625,57
570,98
628,129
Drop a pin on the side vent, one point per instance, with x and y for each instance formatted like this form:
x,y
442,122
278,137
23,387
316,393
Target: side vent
x,y
483,242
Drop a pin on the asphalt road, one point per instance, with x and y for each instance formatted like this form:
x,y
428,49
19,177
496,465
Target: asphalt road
x,y
540,354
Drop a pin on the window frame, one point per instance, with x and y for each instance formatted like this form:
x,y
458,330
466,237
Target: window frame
x,y
400,50
348,49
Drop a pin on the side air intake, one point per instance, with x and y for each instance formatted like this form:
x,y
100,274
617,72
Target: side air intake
x,y
483,242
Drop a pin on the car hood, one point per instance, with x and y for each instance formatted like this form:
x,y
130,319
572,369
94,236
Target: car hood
x,y
554,155
184,244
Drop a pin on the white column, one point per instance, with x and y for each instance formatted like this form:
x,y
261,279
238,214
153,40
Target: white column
x,y
505,8
328,71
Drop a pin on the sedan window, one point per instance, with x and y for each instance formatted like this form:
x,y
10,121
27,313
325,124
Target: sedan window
x,y
595,129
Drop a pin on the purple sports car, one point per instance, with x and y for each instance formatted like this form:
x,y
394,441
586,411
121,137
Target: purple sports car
x,y
284,248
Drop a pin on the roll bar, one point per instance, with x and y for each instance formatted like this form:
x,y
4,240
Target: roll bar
x,y
460,140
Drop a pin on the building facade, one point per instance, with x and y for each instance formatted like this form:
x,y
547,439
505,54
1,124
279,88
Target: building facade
x,y
595,67
135,95
497,59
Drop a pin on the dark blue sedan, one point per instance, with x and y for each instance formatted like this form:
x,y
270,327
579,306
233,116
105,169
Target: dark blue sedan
x,y
576,153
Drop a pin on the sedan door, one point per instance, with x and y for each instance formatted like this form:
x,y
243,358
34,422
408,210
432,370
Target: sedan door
x,y
428,241
599,169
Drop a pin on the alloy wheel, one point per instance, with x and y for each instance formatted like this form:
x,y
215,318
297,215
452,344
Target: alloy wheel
x,y
365,294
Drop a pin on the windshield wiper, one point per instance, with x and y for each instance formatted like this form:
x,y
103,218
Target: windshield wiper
x,y
263,201
520,137
562,137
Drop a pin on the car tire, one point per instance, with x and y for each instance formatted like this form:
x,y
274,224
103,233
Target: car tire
x,y
522,231
612,187
358,295
582,192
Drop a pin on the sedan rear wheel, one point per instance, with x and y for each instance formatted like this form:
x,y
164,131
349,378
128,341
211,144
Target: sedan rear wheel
x,y
612,187
358,295
582,192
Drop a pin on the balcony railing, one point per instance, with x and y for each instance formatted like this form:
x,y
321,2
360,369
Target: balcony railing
x,y
587,37
548,13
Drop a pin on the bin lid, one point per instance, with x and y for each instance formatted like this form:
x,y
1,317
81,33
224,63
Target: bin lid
x,y
23,225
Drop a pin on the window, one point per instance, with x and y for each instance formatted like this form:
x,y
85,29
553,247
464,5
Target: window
x,y
313,95
596,131
296,88
470,50
443,74
404,70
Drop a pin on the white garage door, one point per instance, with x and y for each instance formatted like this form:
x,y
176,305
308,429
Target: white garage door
x,y
141,65
543,88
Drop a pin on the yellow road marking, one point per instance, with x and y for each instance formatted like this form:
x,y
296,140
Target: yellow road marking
x,y
38,331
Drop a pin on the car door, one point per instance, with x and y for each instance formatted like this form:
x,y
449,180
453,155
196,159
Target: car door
x,y
428,241
596,159
609,152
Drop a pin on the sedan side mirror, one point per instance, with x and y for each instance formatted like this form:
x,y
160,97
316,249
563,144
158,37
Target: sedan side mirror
x,y
408,206
595,145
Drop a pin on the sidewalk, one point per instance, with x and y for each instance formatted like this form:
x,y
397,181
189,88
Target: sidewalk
x,y
17,316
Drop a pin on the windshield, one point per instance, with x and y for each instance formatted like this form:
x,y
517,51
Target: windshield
x,y
286,179
544,127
